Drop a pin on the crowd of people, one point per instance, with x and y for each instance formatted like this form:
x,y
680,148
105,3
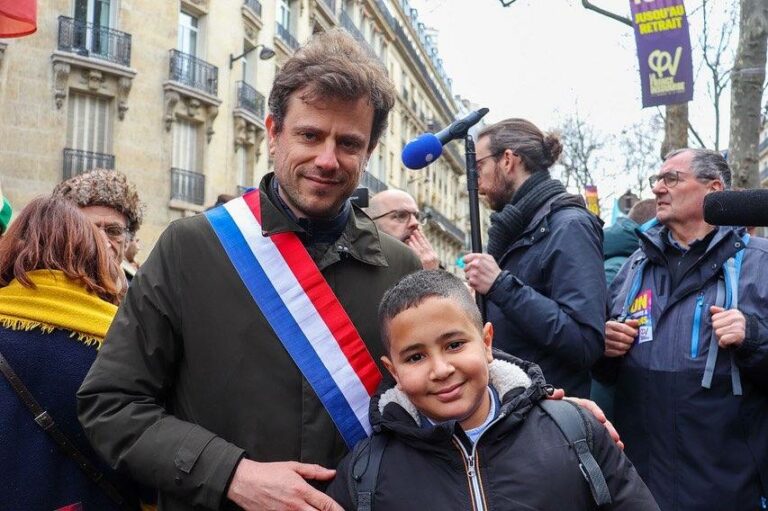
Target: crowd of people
x,y
288,350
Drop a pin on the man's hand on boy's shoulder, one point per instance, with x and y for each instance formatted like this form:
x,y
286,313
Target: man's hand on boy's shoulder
x,y
595,410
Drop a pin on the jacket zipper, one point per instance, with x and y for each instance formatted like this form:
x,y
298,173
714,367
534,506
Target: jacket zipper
x,y
470,459
696,330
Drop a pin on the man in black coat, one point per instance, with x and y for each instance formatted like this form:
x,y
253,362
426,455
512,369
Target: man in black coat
x,y
543,273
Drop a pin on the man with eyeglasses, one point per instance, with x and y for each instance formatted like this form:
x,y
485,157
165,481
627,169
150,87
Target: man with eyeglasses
x,y
687,346
395,213
543,273
110,202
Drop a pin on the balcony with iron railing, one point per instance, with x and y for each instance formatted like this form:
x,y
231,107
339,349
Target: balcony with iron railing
x,y
372,183
255,6
285,35
94,41
188,186
250,99
194,72
77,162
442,222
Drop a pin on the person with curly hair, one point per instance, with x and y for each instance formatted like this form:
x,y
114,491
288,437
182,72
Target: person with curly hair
x,y
109,201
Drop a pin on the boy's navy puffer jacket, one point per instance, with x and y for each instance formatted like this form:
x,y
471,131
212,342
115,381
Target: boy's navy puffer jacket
x,y
522,461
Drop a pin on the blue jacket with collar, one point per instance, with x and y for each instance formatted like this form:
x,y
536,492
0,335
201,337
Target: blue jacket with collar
x,y
696,448
548,305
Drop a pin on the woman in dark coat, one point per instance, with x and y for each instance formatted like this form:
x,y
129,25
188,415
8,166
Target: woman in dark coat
x,y
58,295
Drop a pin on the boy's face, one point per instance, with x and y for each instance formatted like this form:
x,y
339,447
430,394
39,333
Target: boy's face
x,y
439,359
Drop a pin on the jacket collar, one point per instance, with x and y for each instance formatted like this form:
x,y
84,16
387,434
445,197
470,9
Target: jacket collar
x,y
724,244
538,227
519,385
359,240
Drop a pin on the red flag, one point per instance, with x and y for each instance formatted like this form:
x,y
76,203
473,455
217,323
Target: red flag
x,y
17,17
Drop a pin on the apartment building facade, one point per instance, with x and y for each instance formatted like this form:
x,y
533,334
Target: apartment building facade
x,y
173,93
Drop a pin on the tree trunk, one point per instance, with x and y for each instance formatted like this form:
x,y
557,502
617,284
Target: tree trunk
x,y
675,128
747,80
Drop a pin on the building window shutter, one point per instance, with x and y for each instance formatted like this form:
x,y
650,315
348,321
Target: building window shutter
x,y
185,143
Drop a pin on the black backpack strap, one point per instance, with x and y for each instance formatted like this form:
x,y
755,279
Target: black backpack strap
x,y
573,425
47,424
364,470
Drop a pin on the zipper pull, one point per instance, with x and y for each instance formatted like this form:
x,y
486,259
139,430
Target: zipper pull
x,y
471,466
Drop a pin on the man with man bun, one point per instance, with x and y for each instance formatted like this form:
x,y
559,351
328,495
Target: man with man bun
x,y
543,273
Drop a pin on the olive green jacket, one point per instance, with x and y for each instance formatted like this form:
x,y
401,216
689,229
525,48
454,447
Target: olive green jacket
x,y
191,377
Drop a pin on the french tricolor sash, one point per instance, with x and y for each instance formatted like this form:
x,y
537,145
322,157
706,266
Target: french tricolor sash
x,y
303,311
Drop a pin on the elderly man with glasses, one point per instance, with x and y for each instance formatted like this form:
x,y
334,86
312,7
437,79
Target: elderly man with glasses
x,y
687,346
395,213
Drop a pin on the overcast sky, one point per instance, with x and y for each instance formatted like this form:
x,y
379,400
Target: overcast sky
x,y
546,59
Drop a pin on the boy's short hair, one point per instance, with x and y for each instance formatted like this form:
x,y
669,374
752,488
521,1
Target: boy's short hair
x,y
412,290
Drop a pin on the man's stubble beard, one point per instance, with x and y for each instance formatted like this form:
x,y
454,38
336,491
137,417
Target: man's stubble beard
x,y
503,192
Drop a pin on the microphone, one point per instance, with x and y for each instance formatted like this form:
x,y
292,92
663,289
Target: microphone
x,y
426,148
743,208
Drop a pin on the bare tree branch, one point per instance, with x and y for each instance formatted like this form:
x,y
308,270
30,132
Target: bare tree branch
x,y
617,17
581,147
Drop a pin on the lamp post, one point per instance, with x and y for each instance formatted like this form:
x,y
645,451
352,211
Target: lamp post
x,y
266,53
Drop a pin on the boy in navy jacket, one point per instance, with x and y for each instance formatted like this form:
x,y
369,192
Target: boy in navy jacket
x,y
462,423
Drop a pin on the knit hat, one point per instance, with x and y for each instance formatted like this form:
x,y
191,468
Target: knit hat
x,y
103,187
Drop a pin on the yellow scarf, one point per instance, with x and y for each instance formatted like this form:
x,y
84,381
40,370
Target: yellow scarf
x,y
57,302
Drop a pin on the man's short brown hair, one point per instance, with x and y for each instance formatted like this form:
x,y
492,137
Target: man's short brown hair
x,y
333,65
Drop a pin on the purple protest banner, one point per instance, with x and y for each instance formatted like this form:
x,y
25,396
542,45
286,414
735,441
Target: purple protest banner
x,y
663,51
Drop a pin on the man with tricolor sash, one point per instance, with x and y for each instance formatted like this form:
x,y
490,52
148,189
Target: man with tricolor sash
x,y
242,360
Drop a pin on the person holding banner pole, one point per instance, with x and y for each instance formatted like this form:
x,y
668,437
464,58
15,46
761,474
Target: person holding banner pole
x,y
207,386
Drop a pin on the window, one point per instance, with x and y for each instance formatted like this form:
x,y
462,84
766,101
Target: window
x,y
90,16
89,134
98,12
89,123
189,31
243,176
249,65
284,14
185,145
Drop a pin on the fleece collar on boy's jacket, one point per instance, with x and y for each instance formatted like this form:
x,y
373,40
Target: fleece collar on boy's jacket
x,y
519,385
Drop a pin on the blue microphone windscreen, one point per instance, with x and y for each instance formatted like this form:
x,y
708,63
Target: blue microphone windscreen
x,y
421,151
